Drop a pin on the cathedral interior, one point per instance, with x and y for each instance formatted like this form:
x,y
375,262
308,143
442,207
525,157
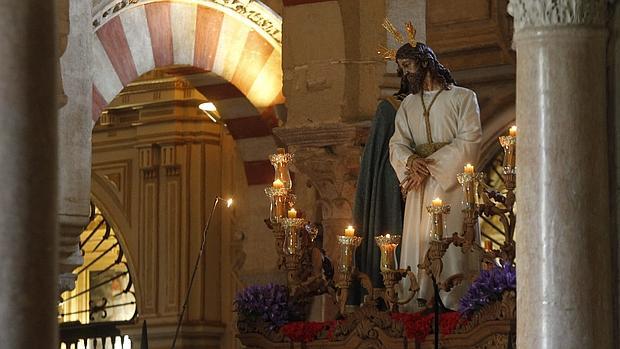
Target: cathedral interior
x,y
129,123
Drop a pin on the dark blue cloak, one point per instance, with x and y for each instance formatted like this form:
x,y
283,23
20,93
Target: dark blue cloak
x,y
379,207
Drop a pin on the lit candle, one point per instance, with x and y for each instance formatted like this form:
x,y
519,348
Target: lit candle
x,y
513,131
278,184
488,245
349,231
280,207
509,143
469,169
437,210
387,244
292,213
468,185
388,259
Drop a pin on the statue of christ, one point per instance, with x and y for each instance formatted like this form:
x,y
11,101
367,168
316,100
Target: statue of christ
x,y
437,131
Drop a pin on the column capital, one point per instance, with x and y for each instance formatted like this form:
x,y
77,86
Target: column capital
x,y
544,13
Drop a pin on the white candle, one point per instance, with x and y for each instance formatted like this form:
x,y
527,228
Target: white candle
x,y
292,213
437,202
350,231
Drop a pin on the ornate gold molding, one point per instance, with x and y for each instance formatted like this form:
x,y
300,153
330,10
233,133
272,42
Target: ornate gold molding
x,y
544,13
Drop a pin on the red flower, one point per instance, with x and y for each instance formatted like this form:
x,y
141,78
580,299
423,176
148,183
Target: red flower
x,y
303,331
418,326
331,326
448,322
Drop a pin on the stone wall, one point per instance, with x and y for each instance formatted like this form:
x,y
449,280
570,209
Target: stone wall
x,y
332,72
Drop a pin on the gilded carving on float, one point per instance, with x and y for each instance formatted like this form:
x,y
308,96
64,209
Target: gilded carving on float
x,y
491,325
255,13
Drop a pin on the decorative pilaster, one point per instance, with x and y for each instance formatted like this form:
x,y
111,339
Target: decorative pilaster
x,y
169,160
564,282
148,157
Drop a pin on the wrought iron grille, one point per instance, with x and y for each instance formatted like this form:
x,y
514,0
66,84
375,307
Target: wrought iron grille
x,y
491,228
104,297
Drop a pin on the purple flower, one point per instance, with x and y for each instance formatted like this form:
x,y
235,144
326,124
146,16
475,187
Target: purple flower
x,y
267,302
488,288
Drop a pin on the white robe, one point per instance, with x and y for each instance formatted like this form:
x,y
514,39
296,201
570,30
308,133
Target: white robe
x,y
454,118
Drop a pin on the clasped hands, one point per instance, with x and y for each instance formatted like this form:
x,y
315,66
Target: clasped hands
x,y
416,174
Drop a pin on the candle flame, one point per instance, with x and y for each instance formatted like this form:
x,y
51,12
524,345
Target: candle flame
x,y
469,168
229,202
292,213
513,131
387,236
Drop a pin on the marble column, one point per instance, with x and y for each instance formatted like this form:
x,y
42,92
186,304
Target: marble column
x,y
563,232
28,146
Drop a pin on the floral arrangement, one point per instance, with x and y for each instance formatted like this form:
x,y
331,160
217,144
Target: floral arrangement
x,y
418,325
269,303
305,332
488,288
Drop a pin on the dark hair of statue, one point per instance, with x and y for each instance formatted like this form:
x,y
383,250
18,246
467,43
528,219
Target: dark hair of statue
x,y
426,62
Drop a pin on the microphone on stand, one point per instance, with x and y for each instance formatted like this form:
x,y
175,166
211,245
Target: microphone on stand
x,y
229,203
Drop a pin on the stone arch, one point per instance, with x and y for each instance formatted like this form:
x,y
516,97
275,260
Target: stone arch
x,y
239,47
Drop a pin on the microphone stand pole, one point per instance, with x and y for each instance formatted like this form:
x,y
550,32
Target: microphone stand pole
x,y
191,281
438,304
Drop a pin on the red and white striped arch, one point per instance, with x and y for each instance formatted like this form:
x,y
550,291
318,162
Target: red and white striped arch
x,y
245,79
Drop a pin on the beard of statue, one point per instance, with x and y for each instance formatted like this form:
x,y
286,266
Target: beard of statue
x,y
415,81
410,83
